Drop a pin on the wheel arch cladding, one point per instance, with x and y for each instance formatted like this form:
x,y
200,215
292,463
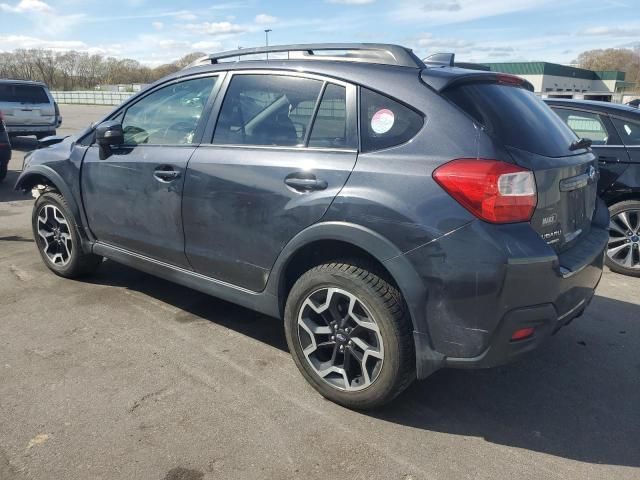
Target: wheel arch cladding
x,y
360,239
43,175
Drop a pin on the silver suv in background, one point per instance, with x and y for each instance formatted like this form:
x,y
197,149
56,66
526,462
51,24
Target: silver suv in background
x,y
28,108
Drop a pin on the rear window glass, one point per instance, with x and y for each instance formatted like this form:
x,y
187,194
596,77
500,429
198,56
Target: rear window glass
x,y
384,122
629,131
515,116
22,93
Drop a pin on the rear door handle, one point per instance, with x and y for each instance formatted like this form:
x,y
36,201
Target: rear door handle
x,y
165,173
305,184
603,159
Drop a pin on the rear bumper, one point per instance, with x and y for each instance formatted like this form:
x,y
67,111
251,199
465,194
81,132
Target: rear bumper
x,y
484,282
29,129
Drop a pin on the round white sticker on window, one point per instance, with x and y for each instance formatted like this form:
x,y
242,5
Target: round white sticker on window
x,y
382,121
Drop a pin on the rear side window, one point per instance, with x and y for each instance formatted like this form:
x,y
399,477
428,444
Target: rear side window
x,y
271,110
23,93
585,125
515,117
385,122
330,125
629,131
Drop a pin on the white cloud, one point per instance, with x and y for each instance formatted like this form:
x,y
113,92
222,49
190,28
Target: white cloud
x,y
442,12
27,6
351,2
185,15
617,31
157,25
205,46
264,19
216,28
12,42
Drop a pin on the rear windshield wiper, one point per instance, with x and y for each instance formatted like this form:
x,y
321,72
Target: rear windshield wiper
x,y
580,143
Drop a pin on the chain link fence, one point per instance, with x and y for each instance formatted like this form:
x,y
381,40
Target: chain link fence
x,y
91,97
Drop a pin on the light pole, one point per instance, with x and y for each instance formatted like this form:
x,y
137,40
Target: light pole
x,y
266,39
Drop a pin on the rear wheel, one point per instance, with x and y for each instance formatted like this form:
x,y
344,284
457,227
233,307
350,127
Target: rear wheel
x,y
349,335
623,250
57,238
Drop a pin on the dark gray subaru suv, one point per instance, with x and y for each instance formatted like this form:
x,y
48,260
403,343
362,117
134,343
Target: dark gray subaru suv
x,y
401,216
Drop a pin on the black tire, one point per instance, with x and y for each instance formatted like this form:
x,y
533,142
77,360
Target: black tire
x,y
386,305
78,263
616,209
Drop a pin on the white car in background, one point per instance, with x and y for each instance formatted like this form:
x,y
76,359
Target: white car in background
x,y
28,108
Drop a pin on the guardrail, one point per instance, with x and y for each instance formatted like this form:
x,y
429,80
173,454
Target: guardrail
x,y
91,97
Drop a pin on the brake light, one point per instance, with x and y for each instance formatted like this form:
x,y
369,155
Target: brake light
x,y
509,79
494,191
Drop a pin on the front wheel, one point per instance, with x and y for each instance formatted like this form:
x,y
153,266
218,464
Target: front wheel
x,y
623,250
349,335
57,238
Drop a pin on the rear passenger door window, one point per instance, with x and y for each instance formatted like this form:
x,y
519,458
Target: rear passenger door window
x,y
384,122
585,125
274,110
330,124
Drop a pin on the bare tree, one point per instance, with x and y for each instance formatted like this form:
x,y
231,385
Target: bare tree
x,y
623,59
80,70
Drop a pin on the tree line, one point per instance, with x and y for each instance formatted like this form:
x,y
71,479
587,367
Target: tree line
x,y
73,70
623,59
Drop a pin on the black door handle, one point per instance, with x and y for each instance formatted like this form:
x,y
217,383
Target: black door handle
x,y
605,159
166,174
305,184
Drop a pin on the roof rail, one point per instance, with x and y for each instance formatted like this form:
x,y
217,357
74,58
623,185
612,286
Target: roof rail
x,y
381,53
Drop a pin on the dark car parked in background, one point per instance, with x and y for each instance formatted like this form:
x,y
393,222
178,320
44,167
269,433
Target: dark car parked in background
x,y
615,134
401,217
634,103
5,149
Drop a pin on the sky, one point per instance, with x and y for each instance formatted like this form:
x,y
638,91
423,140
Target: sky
x,y
158,31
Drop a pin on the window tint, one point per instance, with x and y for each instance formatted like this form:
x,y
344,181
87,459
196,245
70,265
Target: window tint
x,y
330,125
514,116
168,116
629,131
585,125
385,122
267,110
23,93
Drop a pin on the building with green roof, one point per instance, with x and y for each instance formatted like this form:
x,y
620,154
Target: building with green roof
x,y
563,81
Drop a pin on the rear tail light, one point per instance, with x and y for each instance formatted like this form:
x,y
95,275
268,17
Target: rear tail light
x,y
494,191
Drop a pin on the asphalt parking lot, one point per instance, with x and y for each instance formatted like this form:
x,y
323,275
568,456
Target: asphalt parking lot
x,y
125,376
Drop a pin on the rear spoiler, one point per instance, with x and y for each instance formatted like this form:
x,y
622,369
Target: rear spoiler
x,y
443,72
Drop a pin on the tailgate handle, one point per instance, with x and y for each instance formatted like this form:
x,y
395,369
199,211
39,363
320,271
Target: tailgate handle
x,y
579,181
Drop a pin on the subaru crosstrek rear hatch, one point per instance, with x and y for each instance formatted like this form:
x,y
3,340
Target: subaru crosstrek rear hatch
x,y
538,141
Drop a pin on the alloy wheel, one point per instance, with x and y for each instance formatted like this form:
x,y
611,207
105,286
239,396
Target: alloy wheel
x,y
340,339
624,239
54,231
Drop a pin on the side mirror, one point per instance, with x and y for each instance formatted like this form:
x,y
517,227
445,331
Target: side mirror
x,y
109,134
